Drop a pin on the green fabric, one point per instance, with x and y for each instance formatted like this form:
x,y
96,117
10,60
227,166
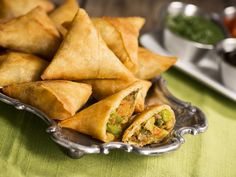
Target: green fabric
x,y
26,149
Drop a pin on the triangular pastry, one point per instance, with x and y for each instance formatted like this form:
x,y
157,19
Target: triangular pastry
x,y
121,36
18,67
64,13
104,88
57,99
14,8
152,65
106,119
32,33
84,55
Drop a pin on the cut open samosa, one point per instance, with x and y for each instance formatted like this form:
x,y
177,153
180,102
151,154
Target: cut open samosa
x,y
84,55
64,13
104,88
142,95
106,119
121,36
151,64
57,99
32,33
151,126
18,67
15,8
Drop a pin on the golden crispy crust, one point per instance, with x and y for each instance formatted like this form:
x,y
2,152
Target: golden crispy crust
x,y
14,8
152,65
142,95
57,99
144,116
93,120
32,33
84,55
121,36
18,67
104,88
64,13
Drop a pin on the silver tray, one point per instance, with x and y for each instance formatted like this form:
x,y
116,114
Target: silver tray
x,y
189,120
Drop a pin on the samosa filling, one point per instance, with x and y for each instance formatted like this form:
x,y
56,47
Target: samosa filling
x,y
154,129
119,117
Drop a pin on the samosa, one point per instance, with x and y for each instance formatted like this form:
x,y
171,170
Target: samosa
x,y
84,55
105,87
57,99
151,64
151,126
64,13
32,33
107,119
14,8
121,36
18,67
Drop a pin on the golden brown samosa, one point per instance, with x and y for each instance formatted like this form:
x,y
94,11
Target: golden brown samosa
x,y
32,33
151,126
121,36
18,67
57,99
139,107
84,55
106,119
15,8
64,13
151,64
104,88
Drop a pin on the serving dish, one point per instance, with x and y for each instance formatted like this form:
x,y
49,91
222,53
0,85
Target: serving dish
x,y
206,70
189,120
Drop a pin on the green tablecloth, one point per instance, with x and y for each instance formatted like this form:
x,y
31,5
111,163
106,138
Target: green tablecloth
x,y
26,150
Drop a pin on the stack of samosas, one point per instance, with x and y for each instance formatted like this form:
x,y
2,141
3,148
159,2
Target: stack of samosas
x,y
56,58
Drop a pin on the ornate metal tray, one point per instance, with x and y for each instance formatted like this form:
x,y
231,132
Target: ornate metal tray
x,y
189,120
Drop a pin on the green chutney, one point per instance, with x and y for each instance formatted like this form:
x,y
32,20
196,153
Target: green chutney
x,y
195,28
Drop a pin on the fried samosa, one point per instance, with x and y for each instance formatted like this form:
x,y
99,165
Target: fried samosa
x,y
57,99
32,33
106,119
84,55
14,8
64,13
151,64
151,126
121,36
104,88
18,67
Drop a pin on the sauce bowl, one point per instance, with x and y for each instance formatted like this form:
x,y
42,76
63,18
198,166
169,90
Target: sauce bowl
x,y
229,18
184,48
228,71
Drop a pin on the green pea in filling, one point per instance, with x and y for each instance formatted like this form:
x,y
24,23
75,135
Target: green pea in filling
x,y
119,117
154,129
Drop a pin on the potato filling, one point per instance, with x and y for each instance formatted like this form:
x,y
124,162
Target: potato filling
x,y
120,117
154,129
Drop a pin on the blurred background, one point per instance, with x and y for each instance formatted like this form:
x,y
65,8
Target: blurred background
x,y
150,9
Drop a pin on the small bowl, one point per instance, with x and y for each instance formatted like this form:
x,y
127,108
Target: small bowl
x,y
228,71
186,49
229,15
229,12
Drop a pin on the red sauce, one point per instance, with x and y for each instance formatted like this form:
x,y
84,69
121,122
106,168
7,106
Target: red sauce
x,y
231,25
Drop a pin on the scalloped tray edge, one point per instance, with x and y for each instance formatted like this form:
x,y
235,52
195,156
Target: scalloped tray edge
x,y
76,150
